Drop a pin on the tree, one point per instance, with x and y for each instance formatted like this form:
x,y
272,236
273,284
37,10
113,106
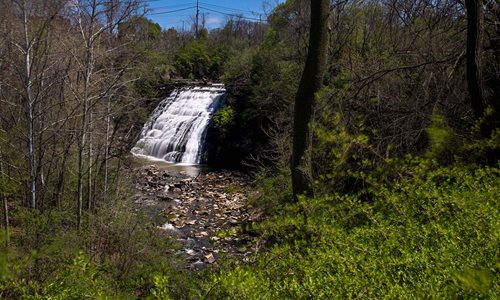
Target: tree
x,y
99,81
310,84
474,55
33,80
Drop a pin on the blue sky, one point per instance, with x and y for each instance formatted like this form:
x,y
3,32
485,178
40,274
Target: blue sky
x,y
179,13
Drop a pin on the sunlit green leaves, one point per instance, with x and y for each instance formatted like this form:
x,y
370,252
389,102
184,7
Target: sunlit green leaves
x,y
431,234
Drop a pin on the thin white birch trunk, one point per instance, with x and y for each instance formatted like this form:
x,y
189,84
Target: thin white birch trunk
x,y
29,108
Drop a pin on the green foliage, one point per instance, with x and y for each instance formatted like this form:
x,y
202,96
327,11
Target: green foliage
x,y
442,141
197,61
479,280
154,30
194,55
139,28
339,154
161,288
9,183
432,233
8,186
147,87
224,117
152,67
238,68
4,270
115,255
261,83
77,280
482,150
272,192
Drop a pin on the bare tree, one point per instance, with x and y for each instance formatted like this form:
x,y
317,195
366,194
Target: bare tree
x,y
95,19
28,60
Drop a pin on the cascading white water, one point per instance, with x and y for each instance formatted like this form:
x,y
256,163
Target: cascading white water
x,y
177,129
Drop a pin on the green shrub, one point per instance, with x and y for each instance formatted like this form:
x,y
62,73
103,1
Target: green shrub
x,y
77,280
223,117
432,233
442,141
161,289
272,193
116,255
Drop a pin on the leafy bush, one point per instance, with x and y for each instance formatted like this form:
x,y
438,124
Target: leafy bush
x,y
224,117
272,192
116,255
442,141
77,280
432,233
161,289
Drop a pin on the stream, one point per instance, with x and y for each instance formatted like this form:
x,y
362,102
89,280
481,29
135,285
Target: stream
x,y
205,211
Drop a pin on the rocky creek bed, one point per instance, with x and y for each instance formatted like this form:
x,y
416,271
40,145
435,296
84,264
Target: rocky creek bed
x,y
207,214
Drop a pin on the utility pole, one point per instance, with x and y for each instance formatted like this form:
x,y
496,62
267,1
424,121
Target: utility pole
x,y
197,16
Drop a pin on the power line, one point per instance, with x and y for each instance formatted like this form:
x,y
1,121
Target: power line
x,y
169,12
231,15
172,6
202,5
228,8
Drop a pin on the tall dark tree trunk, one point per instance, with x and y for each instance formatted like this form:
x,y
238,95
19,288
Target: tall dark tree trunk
x,y
310,83
474,55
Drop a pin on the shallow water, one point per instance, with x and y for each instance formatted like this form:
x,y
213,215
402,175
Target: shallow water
x,y
191,170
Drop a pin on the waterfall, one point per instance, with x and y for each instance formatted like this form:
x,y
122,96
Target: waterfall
x,y
177,129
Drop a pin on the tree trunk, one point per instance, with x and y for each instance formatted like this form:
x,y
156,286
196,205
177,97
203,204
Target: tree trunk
x,y
81,146
6,220
29,107
310,83
106,146
5,207
474,55
90,165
